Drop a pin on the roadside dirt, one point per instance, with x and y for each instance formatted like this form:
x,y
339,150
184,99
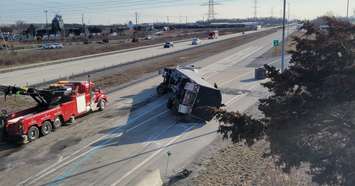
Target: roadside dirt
x,y
15,58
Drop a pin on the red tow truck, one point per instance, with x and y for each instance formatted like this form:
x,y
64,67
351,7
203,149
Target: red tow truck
x,y
58,104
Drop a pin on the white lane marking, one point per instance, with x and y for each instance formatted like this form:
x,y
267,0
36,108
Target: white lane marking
x,y
59,164
150,157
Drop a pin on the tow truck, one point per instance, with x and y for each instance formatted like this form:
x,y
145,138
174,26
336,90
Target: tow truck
x,y
58,104
189,93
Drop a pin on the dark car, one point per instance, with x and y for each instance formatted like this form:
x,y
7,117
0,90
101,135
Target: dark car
x,y
168,45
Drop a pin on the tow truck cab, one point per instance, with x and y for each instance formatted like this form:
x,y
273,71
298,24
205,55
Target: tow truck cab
x,y
57,104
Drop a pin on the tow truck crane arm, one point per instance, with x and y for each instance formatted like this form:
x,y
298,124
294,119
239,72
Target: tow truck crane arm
x,y
42,97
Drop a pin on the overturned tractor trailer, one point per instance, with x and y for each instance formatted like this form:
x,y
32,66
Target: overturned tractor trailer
x,y
188,92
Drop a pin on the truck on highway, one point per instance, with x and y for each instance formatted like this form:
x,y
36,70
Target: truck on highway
x,y
188,92
58,104
213,35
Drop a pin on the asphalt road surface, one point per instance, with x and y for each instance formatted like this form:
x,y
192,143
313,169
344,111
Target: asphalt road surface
x,y
42,74
133,136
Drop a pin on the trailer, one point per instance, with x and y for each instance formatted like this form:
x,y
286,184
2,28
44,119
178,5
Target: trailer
x,y
188,92
58,104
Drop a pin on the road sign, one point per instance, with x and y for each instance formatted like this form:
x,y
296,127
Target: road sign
x,y
276,43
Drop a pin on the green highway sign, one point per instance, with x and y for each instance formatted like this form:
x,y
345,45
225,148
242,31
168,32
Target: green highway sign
x,y
276,43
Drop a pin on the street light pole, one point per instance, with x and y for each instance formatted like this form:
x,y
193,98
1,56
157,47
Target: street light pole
x,y
283,38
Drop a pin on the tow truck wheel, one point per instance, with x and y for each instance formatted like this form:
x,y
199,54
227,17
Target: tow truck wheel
x,y
33,133
101,105
46,128
57,123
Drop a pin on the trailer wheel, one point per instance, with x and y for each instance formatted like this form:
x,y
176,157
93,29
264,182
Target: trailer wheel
x,y
57,123
33,133
46,128
101,105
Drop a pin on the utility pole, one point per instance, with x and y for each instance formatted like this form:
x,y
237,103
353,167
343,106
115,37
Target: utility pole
x,y
167,19
136,15
46,12
186,20
347,9
283,38
84,27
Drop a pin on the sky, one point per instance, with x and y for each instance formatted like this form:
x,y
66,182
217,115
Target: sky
x,y
122,11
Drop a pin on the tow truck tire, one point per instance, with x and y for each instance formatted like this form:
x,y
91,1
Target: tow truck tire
x,y
33,133
71,121
101,105
46,128
57,123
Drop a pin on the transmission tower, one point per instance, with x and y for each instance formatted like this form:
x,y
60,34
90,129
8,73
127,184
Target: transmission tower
x,y
211,11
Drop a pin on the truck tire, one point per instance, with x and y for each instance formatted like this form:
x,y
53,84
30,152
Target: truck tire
x,y
46,128
101,105
57,123
161,90
170,103
33,133
71,120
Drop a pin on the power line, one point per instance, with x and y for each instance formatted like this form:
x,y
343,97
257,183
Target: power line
x,y
73,11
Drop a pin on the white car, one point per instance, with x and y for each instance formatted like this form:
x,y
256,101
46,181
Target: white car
x,y
57,45
169,44
52,45
196,41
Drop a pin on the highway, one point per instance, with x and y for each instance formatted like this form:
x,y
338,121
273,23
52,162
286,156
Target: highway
x,y
37,75
132,137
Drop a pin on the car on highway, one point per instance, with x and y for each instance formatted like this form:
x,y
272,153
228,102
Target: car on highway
x,y
52,46
196,41
148,38
169,44
57,45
